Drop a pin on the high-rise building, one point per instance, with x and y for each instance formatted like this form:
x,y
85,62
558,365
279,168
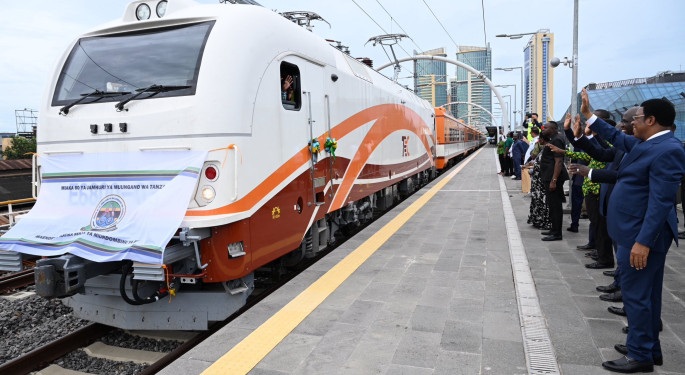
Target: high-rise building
x,y
538,76
430,78
467,88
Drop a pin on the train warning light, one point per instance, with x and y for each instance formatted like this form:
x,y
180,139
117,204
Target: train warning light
x,y
211,173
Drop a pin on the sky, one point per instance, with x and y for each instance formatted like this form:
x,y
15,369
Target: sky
x,y
617,39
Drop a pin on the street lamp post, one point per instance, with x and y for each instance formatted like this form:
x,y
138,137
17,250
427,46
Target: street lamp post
x,y
519,36
508,111
515,106
573,63
523,100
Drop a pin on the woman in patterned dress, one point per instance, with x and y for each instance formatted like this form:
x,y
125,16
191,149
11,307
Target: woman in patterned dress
x,y
539,212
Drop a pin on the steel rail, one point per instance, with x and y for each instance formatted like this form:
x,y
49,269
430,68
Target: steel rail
x,y
16,280
44,355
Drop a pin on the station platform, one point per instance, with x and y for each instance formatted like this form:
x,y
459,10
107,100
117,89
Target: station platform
x,y
451,281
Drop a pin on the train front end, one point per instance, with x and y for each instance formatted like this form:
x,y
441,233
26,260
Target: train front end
x,y
132,136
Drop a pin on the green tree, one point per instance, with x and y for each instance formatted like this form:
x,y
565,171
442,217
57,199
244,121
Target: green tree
x,y
21,148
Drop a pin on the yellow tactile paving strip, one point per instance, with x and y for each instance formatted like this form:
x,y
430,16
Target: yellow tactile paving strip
x,y
249,352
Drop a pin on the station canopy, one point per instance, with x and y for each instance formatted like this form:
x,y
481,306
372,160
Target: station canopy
x,y
618,96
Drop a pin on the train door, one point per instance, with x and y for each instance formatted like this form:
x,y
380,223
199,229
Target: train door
x,y
316,105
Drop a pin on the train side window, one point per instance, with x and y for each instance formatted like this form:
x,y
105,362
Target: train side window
x,y
291,95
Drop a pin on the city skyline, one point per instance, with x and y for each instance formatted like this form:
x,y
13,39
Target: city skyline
x,y
36,35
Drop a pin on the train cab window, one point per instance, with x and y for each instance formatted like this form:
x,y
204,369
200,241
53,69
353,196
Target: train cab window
x,y
291,96
159,62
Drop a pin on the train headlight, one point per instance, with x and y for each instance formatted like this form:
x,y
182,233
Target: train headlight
x,y
143,12
161,8
208,193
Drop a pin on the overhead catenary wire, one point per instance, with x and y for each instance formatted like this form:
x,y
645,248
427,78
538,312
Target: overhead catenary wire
x,y
393,19
381,27
441,25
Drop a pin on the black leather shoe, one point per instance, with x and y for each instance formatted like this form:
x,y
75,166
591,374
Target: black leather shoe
x,y
624,350
617,310
608,288
591,254
552,238
681,235
585,247
547,233
628,366
598,265
612,297
572,229
609,273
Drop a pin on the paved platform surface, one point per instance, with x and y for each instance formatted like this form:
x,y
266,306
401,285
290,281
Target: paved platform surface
x,y
439,297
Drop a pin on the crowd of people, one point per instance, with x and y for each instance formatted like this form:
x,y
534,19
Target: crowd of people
x,y
627,176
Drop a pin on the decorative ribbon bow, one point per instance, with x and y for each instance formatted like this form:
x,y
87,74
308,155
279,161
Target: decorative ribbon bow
x,y
330,146
315,147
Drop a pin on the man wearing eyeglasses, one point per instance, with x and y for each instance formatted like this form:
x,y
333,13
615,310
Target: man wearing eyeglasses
x,y
641,218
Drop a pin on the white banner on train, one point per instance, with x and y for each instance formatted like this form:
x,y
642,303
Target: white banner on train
x,y
108,206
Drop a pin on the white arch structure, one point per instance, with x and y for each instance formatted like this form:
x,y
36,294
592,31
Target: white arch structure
x,y
480,75
494,120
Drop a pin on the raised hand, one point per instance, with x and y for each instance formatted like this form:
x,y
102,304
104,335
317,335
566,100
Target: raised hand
x,y
585,104
577,131
287,82
567,121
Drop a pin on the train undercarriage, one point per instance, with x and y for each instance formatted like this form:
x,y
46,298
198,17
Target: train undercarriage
x,y
175,296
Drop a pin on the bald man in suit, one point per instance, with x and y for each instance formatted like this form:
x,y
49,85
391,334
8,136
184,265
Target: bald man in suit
x,y
641,218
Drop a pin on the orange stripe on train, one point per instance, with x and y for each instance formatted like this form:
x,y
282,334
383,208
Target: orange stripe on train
x,y
389,118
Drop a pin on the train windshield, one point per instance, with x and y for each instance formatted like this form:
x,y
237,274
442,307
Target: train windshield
x,y
124,63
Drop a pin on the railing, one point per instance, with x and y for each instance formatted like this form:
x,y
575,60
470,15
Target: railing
x,y
7,216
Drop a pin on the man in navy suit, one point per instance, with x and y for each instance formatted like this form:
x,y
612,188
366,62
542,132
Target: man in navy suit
x,y
642,219
517,151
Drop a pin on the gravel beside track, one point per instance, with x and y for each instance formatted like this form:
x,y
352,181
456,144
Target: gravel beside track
x,y
125,340
28,323
80,361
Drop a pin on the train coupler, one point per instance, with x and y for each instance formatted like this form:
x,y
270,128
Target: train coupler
x,y
66,275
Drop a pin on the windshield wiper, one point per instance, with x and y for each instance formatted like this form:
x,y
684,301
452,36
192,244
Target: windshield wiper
x,y
97,94
154,89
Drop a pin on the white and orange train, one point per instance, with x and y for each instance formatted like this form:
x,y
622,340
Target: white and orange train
x,y
285,171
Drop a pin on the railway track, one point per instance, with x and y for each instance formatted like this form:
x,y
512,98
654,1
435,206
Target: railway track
x,y
41,357
80,341
12,281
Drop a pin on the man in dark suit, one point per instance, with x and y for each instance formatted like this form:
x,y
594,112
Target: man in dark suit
x,y
607,178
642,219
517,151
553,175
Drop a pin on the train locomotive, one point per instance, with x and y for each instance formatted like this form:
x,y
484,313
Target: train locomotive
x,y
255,144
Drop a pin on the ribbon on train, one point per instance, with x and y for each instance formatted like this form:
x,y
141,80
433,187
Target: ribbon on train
x,y
330,146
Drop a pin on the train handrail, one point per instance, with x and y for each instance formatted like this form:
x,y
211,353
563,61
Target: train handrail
x,y
34,181
235,172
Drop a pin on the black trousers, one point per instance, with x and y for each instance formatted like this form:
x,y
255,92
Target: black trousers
x,y
592,208
604,245
555,200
